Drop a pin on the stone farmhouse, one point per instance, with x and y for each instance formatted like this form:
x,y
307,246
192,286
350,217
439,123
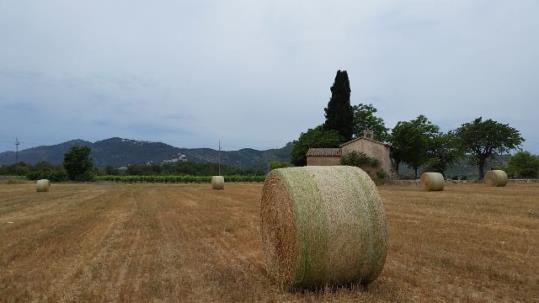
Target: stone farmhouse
x,y
366,144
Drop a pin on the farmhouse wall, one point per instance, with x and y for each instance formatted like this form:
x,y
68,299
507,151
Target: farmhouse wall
x,y
323,161
372,149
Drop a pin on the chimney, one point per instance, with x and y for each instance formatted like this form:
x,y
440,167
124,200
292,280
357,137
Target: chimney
x,y
368,133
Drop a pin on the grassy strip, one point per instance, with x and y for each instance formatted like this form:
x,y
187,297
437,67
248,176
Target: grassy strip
x,y
177,179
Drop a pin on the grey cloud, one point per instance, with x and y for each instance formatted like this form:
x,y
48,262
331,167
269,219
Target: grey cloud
x,y
20,106
256,73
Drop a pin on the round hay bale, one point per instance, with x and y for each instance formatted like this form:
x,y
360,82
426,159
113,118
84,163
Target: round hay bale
x,y
496,177
322,225
432,181
43,185
218,182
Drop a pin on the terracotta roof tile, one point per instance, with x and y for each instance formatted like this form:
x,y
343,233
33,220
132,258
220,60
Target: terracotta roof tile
x,y
324,152
363,138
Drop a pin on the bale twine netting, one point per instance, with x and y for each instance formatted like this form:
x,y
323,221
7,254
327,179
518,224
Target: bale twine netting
x,y
496,178
432,181
43,185
322,225
218,182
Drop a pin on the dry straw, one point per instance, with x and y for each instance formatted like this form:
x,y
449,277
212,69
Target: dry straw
x,y
496,178
43,185
432,181
218,182
322,225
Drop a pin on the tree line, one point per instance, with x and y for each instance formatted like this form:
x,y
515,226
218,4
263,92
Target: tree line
x,y
418,143
78,166
181,168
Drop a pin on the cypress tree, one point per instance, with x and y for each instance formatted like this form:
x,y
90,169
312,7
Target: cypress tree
x,y
339,112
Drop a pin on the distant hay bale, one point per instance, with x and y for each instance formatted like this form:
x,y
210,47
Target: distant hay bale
x,y
218,182
322,225
496,178
43,185
432,181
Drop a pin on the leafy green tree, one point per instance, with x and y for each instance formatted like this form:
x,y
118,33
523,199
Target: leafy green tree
x,y
523,165
313,137
486,139
77,163
443,151
410,141
407,145
339,112
396,152
365,119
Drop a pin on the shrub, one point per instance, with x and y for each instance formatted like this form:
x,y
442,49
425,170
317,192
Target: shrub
x,y
18,169
359,159
45,170
523,165
381,175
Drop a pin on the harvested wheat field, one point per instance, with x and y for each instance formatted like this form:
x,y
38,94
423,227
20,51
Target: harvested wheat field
x,y
189,243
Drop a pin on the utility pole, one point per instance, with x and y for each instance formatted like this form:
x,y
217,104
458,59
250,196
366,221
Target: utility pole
x,y
219,157
17,143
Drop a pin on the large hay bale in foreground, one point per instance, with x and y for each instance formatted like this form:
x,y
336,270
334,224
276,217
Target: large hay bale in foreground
x,y
218,182
322,225
432,181
43,185
496,178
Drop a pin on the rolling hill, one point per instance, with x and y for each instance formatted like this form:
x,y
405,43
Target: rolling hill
x,y
119,152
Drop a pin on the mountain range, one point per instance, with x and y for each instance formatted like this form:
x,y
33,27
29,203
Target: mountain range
x,y
119,152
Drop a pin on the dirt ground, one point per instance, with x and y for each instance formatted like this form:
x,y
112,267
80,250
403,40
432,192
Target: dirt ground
x,y
188,243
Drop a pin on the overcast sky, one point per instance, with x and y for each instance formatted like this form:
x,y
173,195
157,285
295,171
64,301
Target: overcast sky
x,y
257,73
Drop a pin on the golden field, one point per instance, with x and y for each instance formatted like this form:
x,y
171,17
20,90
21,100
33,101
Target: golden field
x,y
188,243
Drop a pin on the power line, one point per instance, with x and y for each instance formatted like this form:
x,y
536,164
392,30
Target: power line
x,y
17,143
